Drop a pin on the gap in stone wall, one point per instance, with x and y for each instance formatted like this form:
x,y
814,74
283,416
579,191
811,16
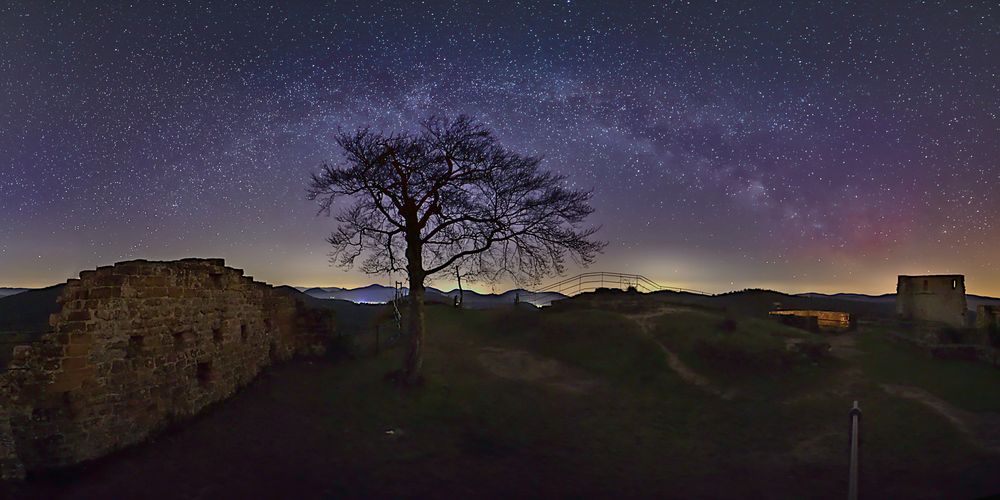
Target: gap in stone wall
x,y
181,340
135,343
204,373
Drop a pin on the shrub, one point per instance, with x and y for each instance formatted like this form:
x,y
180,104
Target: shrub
x,y
728,325
961,352
813,350
515,320
954,335
630,307
993,333
342,347
744,351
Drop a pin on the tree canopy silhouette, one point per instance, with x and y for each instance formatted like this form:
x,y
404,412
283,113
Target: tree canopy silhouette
x,y
449,195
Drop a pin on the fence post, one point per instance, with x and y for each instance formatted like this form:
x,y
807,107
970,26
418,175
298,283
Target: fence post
x,y
852,481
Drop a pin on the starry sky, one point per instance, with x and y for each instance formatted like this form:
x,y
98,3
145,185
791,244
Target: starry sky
x,y
786,145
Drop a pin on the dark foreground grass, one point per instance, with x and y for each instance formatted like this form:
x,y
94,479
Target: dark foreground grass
x,y
770,370
338,430
969,385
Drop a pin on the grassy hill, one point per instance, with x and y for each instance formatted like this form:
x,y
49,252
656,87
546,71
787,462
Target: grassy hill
x,y
24,317
575,402
352,318
759,302
5,291
29,311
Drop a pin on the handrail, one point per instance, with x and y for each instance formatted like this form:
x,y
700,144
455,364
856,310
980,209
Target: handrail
x,y
852,474
397,296
589,281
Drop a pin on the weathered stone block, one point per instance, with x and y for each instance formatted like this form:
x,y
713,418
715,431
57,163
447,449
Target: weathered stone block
x,y
63,383
113,280
104,292
83,315
76,350
81,338
71,327
77,363
11,467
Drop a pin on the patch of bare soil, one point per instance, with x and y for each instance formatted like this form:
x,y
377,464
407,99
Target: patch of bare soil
x,y
847,382
817,448
983,429
842,346
645,322
513,364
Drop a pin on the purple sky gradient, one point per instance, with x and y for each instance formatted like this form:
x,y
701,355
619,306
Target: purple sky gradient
x,y
788,145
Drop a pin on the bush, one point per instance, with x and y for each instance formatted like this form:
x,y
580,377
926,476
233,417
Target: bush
x,y
961,352
994,336
728,325
954,335
629,307
745,351
515,320
813,350
342,347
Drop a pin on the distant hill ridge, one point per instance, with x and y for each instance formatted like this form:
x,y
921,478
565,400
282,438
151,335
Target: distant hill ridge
x,y
29,310
972,301
376,294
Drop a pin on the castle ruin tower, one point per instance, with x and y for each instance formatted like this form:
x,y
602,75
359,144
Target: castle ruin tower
x,y
939,298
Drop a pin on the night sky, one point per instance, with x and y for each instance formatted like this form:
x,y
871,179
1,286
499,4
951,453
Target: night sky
x,y
786,145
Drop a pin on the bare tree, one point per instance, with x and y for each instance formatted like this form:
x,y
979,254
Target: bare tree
x,y
449,195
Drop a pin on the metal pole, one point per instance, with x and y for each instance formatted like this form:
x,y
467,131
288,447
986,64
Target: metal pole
x,y
376,340
852,481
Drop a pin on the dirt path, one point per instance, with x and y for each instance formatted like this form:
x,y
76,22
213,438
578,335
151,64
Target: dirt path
x,y
982,428
646,325
842,345
514,364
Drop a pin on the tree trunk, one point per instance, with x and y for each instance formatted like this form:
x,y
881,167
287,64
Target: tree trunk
x,y
415,271
415,358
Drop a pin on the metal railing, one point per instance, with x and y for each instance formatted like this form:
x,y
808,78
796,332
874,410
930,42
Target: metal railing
x,y
398,295
855,453
588,282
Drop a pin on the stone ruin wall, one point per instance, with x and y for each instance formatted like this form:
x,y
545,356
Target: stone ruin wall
x,y
138,345
937,298
987,316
